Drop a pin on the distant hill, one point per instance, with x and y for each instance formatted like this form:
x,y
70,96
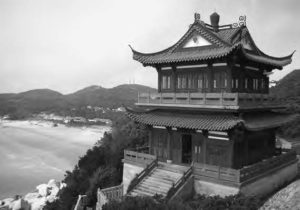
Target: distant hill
x,y
289,86
38,100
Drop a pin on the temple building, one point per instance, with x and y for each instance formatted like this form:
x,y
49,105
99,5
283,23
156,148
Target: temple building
x,y
212,124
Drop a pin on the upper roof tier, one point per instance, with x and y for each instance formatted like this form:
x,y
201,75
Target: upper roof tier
x,y
204,42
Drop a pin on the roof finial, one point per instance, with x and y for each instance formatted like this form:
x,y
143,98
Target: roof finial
x,y
197,17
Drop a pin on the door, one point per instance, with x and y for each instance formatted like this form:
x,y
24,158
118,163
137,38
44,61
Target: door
x,y
186,141
197,149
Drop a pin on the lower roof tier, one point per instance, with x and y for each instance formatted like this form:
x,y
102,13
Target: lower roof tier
x,y
210,121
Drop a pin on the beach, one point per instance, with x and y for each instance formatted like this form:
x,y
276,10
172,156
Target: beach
x,y
32,152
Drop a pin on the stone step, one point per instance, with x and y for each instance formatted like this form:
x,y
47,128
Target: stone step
x,y
157,181
173,167
150,183
170,173
166,174
165,178
154,187
145,192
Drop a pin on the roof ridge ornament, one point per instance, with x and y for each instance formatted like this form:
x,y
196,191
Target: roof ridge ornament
x,y
197,17
241,22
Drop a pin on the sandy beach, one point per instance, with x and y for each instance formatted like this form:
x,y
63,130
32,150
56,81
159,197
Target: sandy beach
x,y
32,152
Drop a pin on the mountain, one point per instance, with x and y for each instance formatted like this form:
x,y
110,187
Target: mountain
x,y
38,100
289,86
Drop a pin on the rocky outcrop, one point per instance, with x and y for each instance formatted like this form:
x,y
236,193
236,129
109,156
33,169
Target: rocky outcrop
x,y
287,198
36,200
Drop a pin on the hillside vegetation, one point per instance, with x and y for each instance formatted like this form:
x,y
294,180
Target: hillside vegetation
x,y
35,101
289,88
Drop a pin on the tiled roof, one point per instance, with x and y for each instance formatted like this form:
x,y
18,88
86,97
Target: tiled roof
x,y
217,122
209,121
186,55
259,121
224,42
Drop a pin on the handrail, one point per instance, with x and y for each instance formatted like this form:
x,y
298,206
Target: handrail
x,y
259,168
218,99
176,186
138,178
113,193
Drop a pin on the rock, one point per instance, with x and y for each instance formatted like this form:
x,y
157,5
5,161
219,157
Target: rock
x,y
43,189
286,198
35,200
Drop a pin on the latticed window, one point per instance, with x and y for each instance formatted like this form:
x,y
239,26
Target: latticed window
x,y
166,82
200,81
255,84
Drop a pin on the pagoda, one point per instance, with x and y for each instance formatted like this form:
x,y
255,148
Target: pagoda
x,y
212,123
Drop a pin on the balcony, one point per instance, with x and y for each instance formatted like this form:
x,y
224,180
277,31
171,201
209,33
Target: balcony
x,y
211,100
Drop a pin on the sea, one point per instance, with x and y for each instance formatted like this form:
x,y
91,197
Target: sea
x,y
33,152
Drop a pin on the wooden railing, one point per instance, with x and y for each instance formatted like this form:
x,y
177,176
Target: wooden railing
x,y
139,177
211,99
258,169
222,174
138,157
176,186
144,149
236,177
113,193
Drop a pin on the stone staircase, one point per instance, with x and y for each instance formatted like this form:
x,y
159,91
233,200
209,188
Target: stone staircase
x,y
160,180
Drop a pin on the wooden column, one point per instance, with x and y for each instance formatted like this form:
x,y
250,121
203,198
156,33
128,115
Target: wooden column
x,y
229,77
169,144
150,131
246,150
158,69
210,74
204,145
174,78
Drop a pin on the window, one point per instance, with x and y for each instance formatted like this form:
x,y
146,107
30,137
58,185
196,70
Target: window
x,y
236,83
166,82
205,80
190,81
255,84
200,81
263,84
246,83
181,81
215,83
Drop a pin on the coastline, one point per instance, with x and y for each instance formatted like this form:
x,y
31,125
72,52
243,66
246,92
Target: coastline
x,y
33,151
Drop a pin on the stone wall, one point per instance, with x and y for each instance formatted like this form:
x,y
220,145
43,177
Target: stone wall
x,y
129,173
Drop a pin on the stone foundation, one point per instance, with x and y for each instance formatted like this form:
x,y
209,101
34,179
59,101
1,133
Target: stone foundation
x,y
129,172
271,182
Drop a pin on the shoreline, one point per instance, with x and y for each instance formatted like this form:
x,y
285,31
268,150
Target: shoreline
x,y
34,151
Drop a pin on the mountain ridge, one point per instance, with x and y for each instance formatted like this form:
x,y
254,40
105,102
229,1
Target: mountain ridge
x,y
38,100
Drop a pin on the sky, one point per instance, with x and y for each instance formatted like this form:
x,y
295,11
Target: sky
x,y
66,45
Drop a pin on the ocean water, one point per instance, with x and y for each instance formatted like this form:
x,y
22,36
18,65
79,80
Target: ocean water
x,y
33,152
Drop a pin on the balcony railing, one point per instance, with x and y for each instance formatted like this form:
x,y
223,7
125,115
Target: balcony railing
x,y
138,157
210,100
236,177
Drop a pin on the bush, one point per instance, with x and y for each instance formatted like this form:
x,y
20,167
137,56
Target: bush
x,y
101,166
235,202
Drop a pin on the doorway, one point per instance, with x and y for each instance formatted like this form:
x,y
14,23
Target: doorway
x,y
186,140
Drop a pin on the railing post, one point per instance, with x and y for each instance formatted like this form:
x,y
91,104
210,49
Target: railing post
x,y
189,97
160,97
204,98
149,97
221,102
138,96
